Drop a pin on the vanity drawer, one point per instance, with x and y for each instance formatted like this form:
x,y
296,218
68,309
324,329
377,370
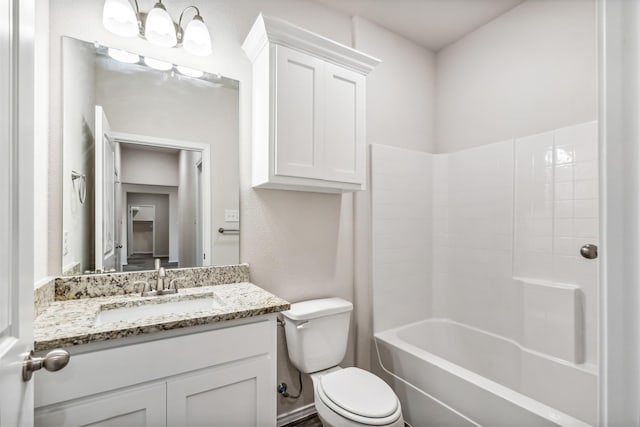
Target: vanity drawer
x,y
113,368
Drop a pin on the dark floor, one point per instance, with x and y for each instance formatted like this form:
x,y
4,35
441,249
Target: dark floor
x,y
312,421
141,262
309,421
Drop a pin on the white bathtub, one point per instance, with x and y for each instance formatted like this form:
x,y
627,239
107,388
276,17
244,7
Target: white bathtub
x,y
447,373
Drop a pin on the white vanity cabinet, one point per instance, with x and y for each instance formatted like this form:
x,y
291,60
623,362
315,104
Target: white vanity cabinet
x,y
223,377
308,109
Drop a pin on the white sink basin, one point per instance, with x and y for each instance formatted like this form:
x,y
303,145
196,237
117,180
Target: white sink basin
x,y
154,308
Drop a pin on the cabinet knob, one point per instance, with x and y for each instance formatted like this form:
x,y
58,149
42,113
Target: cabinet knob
x,y
53,361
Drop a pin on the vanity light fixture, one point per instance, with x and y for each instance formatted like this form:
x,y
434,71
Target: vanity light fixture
x,y
124,19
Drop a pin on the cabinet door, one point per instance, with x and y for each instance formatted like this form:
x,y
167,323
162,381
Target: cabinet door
x,y
298,115
238,394
344,135
142,406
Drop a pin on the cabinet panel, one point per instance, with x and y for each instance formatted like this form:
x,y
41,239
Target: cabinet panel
x,y
344,137
236,394
298,117
142,406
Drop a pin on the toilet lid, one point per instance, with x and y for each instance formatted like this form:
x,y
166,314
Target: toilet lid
x,y
359,392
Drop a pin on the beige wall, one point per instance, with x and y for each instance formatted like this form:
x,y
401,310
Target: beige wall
x,y
530,70
400,91
400,113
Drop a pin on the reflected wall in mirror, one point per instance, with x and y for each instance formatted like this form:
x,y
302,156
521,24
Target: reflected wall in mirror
x,y
150,163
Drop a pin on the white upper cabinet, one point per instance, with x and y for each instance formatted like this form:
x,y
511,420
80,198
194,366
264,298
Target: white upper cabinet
x,y
308,109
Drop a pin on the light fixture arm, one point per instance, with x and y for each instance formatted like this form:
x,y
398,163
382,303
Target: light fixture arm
x,y
180,31
138,15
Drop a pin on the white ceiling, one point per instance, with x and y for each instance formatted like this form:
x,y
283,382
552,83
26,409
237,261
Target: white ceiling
x,y
433,24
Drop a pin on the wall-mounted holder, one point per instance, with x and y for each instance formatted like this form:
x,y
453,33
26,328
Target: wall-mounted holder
x,y
81,187
228,230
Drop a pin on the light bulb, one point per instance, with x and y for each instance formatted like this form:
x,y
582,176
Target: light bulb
x,y
159,28
196,39
191,72
157,64
123,56
119,17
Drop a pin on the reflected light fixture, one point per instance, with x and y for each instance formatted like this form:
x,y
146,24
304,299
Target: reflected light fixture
x,y
123,18
123,56
191,72
157,64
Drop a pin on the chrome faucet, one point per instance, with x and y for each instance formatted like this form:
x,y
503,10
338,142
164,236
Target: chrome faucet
x,y
160,288
162,278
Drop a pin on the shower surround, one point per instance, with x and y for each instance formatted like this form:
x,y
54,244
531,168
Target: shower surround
x,y
489,238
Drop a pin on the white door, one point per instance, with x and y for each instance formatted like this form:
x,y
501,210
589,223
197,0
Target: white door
x,y
105,182
199,216
16,209
117,207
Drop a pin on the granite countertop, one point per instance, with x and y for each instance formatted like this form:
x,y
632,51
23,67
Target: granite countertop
x,y
73,322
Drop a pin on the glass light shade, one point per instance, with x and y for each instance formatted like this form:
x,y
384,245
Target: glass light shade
x,y
196,39
157,64
159,28
123,56
119,17
191,72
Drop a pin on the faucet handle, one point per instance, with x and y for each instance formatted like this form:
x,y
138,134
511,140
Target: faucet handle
x,y
146,289
171,289
172,283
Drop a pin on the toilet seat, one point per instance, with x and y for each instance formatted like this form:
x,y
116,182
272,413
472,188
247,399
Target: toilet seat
x,y
359,396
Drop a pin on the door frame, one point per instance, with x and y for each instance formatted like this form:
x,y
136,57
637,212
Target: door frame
x,y
205,190
619,269
16,340
153,226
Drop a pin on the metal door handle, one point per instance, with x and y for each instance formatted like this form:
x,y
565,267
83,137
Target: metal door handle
x,y
589,251
53,361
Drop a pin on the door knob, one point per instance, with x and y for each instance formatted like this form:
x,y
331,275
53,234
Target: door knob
x,y
589,251
53,361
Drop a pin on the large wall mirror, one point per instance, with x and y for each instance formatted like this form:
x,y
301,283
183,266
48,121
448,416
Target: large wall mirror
x,y
150,163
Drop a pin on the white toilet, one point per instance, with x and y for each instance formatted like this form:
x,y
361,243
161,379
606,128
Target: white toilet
x,y
317,333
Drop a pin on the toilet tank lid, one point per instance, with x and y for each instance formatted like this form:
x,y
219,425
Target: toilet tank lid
x,y
313,309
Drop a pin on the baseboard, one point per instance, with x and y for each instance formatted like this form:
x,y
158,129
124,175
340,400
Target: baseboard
x,y
296,414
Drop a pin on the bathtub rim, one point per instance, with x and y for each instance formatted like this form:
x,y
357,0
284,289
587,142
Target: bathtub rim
x,y
542,410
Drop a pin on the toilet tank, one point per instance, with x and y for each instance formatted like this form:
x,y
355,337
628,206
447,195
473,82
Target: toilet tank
x,y
317,332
